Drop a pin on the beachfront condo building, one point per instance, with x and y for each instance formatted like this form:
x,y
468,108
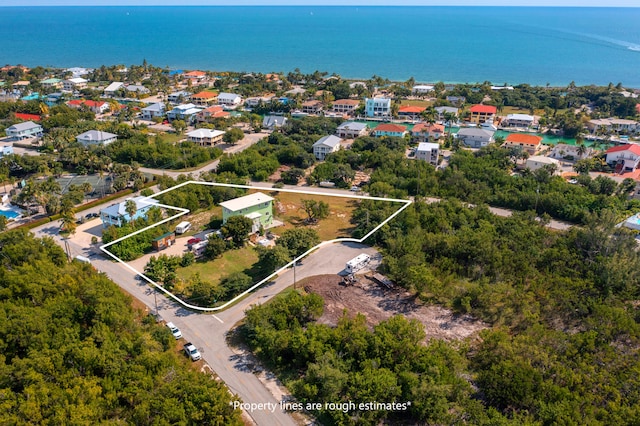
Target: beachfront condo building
x,y
377,107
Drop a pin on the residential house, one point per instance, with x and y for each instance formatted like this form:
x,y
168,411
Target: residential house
x,y
257,206
205,137
523,121
429,152
389,129
204,98
357,84
154,110
51,84
325,146
186,112
496,88
563,151
163,241
446,110
422,89
377,107
613,125
526,142
312,107
112,89
410,112
536,162
73,84
138,89
178,97
351,130
624,157
272,122
20,86
230,100
423,132
78,71
295,91
345,106
25,130
6,149
211,113
456,100
27,117
116,214
97,107
96,137
482,113
474,137
195,76
257,100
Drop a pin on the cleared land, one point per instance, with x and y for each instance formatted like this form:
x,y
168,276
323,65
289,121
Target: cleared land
x,y
214,270
378,304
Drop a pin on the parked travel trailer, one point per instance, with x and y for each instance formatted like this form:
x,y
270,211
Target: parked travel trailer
x,y
183,227
357,263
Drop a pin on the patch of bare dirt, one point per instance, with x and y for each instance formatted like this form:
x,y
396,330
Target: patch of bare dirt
x,y
378,304
277,175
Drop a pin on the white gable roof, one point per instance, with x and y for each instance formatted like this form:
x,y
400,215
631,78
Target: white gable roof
x,y
245,202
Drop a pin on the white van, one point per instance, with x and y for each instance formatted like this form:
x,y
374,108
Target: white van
x,y
183,227
83,259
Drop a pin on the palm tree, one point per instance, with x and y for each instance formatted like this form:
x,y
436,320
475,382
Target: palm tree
x,y
582,149
131,208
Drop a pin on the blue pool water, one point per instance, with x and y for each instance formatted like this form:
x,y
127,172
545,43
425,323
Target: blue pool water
x,y
9,214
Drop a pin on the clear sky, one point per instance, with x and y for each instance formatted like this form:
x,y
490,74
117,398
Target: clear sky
x,y
580,3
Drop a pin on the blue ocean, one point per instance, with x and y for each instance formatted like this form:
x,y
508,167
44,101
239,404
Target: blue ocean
x,y
511,45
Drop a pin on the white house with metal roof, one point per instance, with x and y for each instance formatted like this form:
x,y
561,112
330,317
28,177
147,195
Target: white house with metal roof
x,y
25,130
229,99
116,214
519,120
474,137
257,206
351,130
325,146
429,152
111,89
205,137
72,84
96,137
153,110
186,112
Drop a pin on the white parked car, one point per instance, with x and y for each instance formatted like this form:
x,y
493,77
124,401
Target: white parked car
x,y
174,330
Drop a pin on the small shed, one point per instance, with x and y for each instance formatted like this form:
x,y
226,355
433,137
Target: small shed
x,y
163,241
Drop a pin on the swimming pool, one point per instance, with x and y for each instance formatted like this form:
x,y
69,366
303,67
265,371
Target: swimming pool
x,y
9,214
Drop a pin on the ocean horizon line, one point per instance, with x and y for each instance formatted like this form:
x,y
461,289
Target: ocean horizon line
x,y
386,6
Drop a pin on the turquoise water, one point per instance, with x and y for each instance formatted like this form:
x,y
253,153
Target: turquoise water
x,y
9,214
453,44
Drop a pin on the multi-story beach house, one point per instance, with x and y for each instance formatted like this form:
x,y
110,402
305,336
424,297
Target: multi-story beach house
x,y
446,110
211,113
205,137
25,130
195,76
152,111
482,113
116,214
429,152
422,132
112,89
522,121
351,130
526,142
377,107
422,89
345,106
186,112
97,107
257,206
474,137
272,122
410,112
312,107
624,157
96,137
51,84
178,97
229,100
74,84
325,146
389,129
204,98
613,125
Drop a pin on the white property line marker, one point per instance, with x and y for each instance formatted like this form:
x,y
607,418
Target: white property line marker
x,y
183,211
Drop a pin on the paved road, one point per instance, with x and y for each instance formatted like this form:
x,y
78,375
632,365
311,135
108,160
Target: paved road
x,y
246,142
208,331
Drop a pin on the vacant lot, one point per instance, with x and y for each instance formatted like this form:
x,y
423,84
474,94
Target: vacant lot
x,y
378,304
214,270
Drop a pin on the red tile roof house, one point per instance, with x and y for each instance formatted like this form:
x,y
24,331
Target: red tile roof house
x,y
624,157
27,117
97,107
529,143
195,75
422,131
204,98
211,113
410,111
388,129
482,113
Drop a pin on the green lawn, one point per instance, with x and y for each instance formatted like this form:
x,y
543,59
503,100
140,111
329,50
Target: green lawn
x,y
415,102
214,270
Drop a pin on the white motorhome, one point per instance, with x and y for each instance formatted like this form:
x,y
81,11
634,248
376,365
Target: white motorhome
x,y
183,227
357,263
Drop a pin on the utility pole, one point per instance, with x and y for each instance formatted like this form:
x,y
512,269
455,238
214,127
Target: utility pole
x,y
155,298
294,272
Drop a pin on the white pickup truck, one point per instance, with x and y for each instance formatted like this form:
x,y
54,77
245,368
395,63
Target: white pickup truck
x,y
192,351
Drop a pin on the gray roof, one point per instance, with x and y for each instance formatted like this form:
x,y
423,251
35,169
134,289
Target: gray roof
x,y
154,107
95,135
274,120
474,131
352,125
23,126
330,141
444,109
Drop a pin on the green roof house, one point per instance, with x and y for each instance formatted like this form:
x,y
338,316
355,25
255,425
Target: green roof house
x,y
258,207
